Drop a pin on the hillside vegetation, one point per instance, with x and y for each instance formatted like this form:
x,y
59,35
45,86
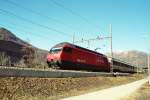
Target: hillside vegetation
x,y
16,52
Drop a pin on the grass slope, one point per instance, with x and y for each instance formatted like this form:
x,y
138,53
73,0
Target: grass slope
x,y
54,88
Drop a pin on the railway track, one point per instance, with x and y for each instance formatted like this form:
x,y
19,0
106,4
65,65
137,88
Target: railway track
x,y
47,73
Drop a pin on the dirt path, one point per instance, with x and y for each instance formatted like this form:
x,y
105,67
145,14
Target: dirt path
x,y
114,93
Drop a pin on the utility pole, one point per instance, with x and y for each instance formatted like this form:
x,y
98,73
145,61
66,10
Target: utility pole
x,y
101,38
111,49
148,66
73,38
89,44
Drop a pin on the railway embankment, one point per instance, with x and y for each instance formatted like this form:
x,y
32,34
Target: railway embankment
x,y
56,88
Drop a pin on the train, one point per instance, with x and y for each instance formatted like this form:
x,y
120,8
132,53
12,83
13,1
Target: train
x,y
72,57
122,66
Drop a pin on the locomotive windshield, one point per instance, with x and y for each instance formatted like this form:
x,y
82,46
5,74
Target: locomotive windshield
x,y
55,50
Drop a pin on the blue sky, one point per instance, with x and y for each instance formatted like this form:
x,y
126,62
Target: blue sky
x,y
57,20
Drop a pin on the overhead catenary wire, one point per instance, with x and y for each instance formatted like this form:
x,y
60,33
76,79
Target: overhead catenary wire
x,y
34,23
44,16
24,28
75,13
39,14
48,17
27,32
30,34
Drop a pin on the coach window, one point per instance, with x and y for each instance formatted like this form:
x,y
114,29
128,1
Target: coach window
x,y
67,49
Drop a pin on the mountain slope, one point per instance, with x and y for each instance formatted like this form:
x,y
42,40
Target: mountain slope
x,y
9,36
135,57
16,52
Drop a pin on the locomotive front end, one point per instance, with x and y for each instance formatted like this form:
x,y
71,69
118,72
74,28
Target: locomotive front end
x,y
53,57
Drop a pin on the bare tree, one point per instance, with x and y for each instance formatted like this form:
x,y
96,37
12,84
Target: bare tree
x,y
28,55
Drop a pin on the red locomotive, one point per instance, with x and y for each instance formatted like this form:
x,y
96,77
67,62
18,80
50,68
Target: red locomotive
x,y
70,56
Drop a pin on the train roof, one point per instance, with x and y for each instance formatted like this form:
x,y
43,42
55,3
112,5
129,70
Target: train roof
x,y
62,44
75,46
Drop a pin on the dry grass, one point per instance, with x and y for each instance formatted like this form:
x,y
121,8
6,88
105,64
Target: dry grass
x,y
142,94
52,89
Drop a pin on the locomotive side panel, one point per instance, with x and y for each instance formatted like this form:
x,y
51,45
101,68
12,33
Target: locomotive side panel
x,y
89,60
66,54
83,59
103,62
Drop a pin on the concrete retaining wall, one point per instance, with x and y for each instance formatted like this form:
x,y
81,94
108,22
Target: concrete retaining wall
x,y
30,72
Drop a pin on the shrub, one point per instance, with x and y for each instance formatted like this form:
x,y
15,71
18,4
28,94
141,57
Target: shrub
x,y
28,55
4,59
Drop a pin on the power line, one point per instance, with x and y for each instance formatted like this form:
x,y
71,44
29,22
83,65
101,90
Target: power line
x,y
23,30
74,13
35,23
25,27
45,16
92,39
39,14
22,27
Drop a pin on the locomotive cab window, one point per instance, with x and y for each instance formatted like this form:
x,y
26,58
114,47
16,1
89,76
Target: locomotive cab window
x,y
67,49
55,50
